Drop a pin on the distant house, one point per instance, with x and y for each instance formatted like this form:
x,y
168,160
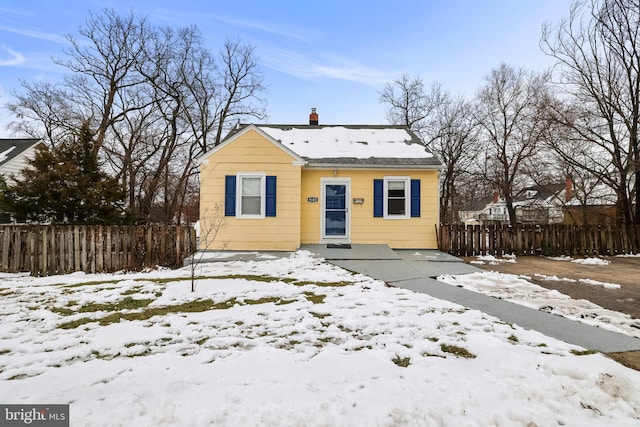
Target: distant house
x,y
540,204
287,185
14,156
598,206
485,211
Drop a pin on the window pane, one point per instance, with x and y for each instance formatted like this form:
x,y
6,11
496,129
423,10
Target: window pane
x,y
251,205
335,196
395,185
396,207
251,186
336,223
395,189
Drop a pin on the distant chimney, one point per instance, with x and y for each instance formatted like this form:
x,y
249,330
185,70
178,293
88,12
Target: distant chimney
x,y
568,189
496,197
313,118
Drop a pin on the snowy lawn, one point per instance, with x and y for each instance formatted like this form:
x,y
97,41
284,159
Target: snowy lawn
x,y
288,342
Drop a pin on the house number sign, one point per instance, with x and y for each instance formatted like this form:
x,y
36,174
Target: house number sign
x,y
312,199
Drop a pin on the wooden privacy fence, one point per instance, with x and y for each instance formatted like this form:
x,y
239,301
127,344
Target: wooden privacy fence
x,y
47,250
546,239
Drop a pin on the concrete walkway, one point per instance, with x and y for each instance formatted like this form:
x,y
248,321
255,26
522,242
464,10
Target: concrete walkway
x,y
417,270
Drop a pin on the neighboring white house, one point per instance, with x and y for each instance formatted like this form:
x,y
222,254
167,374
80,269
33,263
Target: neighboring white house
x,y
14,155
533,205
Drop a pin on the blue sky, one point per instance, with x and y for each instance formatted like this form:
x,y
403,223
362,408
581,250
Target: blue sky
x,y
335,55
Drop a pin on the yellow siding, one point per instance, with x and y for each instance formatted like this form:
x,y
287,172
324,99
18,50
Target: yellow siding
x,y
365,229
252,153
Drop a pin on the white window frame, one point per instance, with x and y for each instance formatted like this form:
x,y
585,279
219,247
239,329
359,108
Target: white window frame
x,y
263,192
407,197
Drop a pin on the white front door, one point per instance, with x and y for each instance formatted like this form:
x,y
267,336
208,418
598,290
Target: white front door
x,y
335,209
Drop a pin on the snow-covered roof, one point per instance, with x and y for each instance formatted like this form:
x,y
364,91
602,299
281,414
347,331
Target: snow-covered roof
x,y
351,145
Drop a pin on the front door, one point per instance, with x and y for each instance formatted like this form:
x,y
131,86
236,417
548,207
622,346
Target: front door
x,y
335,209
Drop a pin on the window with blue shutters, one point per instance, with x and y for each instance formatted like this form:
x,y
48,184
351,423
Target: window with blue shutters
x,y
396,197
250,195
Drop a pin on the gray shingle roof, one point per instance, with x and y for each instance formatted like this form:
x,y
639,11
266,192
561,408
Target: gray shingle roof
x,y
11,148
359,146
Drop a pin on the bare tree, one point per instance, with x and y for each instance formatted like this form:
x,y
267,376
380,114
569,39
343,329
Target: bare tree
x,y
409,104
454,137
208,227
240,83
155,98
509,113
447,127
598,62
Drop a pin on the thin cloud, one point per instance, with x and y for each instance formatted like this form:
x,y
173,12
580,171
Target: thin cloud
x,y
15,58
55,38
325,66
261,27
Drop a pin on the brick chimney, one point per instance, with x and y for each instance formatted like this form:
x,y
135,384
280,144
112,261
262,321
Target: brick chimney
x,y
313,118
568,189
496,197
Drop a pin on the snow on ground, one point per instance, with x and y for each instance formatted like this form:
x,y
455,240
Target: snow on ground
x,y
491,260
519,290
591,261
288,342
592,282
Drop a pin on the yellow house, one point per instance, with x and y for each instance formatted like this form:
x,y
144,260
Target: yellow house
x,y
280,186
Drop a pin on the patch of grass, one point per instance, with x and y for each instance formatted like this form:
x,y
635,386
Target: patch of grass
x,y
542,345
94,283
402,362
63,311
143,312
319,315
583,352
126,304
148,312
513,338
4,351
134,290
433,339
315,298
18,377
427,354
325,284
458,351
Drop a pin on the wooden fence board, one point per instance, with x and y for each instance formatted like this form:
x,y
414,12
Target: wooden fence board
x,y
46,250
549,240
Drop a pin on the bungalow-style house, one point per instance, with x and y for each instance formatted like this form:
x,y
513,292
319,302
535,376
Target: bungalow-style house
x,y
14,156
286,185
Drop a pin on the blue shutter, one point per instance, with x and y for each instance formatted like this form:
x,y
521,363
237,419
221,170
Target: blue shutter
x,y
230,195
270,208
415,198
378,198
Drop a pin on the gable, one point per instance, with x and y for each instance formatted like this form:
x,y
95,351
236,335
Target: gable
x,y
251,143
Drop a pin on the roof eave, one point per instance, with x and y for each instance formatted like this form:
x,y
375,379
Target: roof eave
x,y
312,165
